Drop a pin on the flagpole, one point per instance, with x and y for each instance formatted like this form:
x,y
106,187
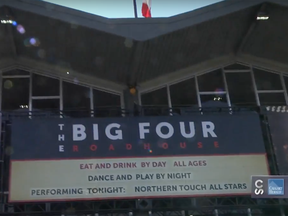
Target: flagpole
x,y
135,8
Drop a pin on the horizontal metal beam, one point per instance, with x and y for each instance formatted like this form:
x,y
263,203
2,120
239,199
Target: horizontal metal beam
x,y
236,71
269,91
15,76
44,97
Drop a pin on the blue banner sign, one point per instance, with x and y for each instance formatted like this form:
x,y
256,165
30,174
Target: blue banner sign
x,y
126,137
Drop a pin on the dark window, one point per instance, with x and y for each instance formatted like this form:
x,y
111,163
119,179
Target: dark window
x,y
241,89
271,99
219,100
16,72
76,100
106,104
105,99
46,107
183,93
237,67
15,93
155,102
46,104
155,98
211,82
267,81
44,86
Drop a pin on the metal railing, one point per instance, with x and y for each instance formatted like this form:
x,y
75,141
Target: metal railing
x,y
106,112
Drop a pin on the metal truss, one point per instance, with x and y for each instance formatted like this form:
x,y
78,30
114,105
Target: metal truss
x,y
162,207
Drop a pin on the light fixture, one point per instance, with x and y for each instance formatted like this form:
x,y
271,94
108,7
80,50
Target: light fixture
x,y
6,21
217,98
262,16
67,72
132,90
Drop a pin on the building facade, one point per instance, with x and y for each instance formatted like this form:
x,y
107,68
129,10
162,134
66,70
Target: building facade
x,y
78,66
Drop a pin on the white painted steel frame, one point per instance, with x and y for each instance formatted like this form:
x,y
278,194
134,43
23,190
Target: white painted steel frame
x,y
226,92
226,88
15,76
213,93
91,102
169,96
44,97
1,83
254,86
236,71
30,96
284,88
284,91
202,69
60,96
167,85
197,92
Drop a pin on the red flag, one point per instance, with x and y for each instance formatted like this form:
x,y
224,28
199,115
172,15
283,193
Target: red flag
x,y
146,8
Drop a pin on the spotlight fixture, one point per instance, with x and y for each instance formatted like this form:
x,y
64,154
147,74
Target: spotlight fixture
x,y
6,21
7,17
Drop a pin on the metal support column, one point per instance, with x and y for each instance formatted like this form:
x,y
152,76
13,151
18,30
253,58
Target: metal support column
x,y
284,87
226,88
91,102
30,95
255,86
169,100
197,92
61,97
249,213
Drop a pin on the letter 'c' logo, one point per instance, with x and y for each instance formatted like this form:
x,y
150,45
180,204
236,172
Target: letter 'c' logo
x,y
259,187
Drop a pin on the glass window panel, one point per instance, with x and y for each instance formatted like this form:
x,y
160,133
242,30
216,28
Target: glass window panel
x,y
44,86
15,93
76,100
267,81
46,104
46,107
212,81
101,98
183,93
155,98
237,67
270,99
213,100
106,104
241,89
16,72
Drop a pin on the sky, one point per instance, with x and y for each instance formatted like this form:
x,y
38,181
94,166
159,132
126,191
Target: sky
x,y
124,8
